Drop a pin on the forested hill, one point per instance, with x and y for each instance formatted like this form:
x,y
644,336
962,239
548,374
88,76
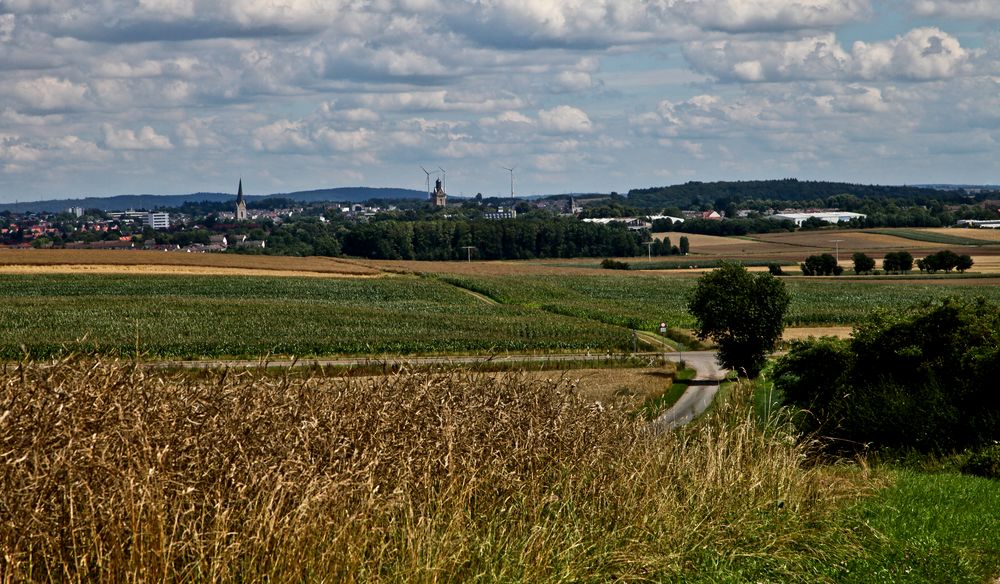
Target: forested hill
x,y
696,193
151,202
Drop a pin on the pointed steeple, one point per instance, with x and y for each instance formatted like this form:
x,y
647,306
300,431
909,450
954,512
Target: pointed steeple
x,y
241,204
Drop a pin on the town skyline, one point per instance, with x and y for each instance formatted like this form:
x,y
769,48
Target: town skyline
x,y
177,96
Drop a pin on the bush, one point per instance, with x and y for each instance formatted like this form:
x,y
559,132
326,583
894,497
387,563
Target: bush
x,y
923,378
775,269
984,463
610,264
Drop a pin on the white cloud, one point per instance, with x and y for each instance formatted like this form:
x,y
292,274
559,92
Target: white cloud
x,y
574,81
282,136
921,54
564,119
967,9
774,15
438,100
50,94
145,139
344,141
509,117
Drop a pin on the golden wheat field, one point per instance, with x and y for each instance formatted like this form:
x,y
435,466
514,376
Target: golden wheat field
x,y
115,473
53,259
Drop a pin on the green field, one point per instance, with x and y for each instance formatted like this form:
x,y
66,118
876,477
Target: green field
x,y
201,316
642,302
930,237
205,316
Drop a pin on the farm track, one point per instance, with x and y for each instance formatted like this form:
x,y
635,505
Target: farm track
x,y
389,362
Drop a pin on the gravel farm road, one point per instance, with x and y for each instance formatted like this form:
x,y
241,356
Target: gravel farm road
x,y
700,392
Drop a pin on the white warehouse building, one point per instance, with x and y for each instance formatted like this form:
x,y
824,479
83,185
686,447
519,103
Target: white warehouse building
x,y
828,216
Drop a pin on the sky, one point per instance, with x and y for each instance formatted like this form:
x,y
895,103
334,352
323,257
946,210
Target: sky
x,y
175,96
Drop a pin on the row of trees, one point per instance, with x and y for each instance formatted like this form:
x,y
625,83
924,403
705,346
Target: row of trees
x,y
896,262
491,240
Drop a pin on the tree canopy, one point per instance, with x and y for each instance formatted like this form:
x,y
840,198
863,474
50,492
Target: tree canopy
x,y
742,313
922,378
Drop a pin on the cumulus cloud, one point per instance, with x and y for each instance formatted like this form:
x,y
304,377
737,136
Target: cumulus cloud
x,y
438,100
50,94
967,9
564,119
773,15
145,139
921,54
309,136
509,117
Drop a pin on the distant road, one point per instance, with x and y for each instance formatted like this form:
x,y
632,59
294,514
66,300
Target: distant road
x,y
700,392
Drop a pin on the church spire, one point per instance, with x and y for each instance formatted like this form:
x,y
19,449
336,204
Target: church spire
x,y
241,204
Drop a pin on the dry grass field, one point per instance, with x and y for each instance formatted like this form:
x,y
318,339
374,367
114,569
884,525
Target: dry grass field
x,y
114,473
53,259
821,241
802,333
611,385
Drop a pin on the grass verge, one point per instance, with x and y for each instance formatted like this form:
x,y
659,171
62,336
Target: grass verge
x,y
940,527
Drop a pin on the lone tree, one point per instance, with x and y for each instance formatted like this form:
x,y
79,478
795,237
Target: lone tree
x,y
862,263
742,313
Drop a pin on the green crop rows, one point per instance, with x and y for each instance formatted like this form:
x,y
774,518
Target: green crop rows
x,y
643,302
203,316
931,237
200,316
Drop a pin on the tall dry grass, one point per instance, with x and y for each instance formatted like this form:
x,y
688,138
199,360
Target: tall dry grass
x,y
115,473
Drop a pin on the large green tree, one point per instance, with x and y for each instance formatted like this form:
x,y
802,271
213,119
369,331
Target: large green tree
x,y
742,313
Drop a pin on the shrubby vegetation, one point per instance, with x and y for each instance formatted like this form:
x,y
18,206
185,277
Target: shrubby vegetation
x,y
922,378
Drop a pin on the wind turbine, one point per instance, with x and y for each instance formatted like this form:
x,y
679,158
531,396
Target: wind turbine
x,y
444,179
511,171
428,180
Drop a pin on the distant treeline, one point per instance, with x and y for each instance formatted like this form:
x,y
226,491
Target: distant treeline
x,y
695,193
447,239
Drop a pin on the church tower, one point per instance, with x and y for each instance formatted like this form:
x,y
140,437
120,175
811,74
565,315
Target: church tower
x,y
241,204
439,197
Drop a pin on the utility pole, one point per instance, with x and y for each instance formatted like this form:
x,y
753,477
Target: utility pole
x,y
468,251
649,250
836,243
